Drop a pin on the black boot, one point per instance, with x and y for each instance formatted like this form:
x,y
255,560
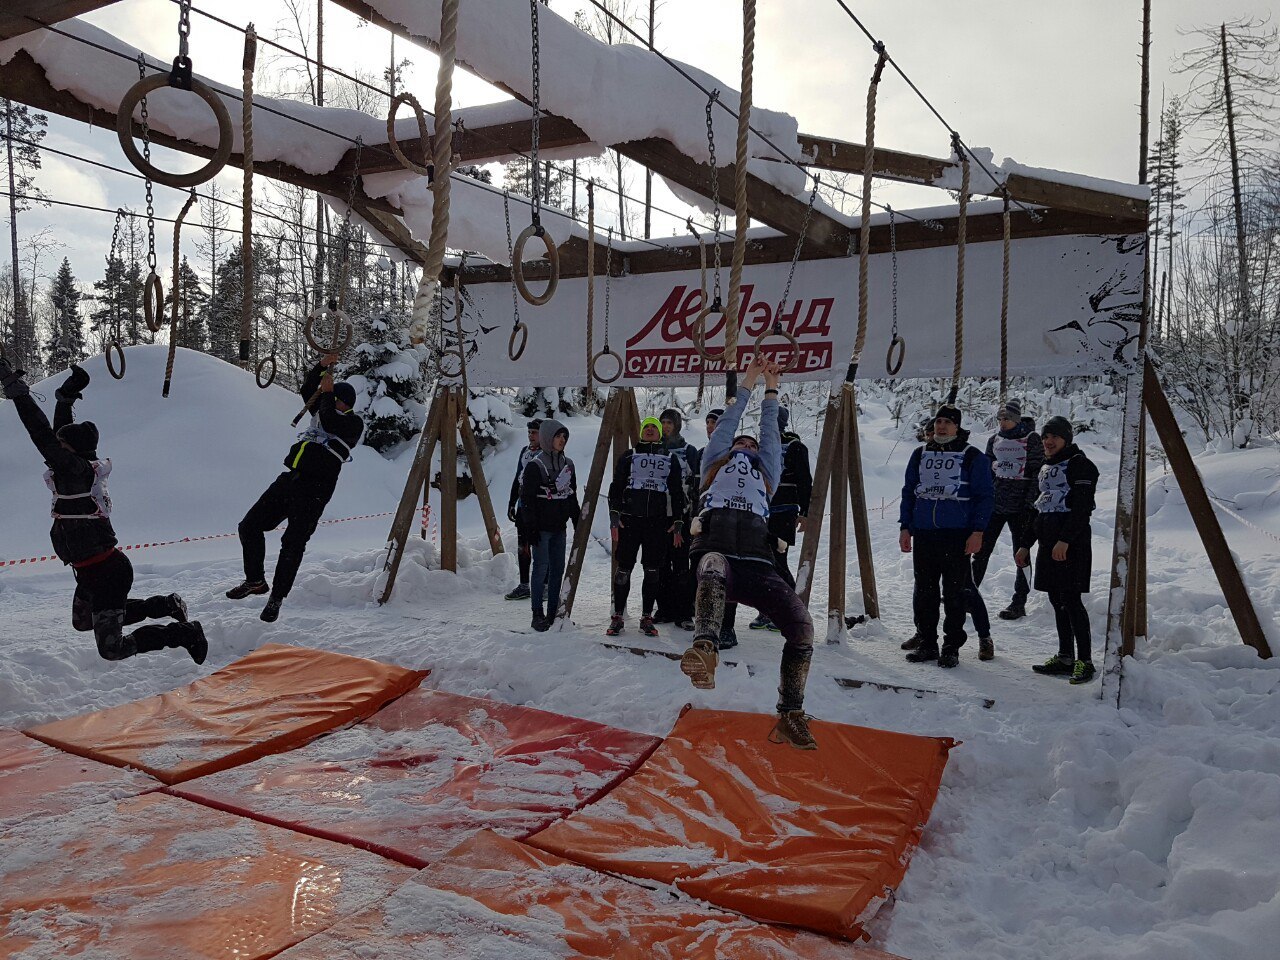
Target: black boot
x,y
926,651
949,657
187,636
1016,610
271,612
246,589
912,642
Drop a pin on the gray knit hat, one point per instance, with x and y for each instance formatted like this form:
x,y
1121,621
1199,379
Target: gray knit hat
x,y
1010,410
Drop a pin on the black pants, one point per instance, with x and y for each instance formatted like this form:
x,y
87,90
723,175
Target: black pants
x,y
1074,639
287,499
102,604
990,538
938,555
677,583
637,535
524,554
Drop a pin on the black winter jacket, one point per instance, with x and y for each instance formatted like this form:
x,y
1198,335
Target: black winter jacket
x,y
547,501
316,458
648,462
690,460
795,489
1068,485
1016,495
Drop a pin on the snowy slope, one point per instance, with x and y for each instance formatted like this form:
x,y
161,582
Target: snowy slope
x,y
1064,828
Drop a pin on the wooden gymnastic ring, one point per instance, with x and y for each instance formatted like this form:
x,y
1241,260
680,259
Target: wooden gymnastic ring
x,y
890,364
790,338
520,330
517,264
124,130
452,374
340,342
595,363
424,135
114,345
270,358
153,303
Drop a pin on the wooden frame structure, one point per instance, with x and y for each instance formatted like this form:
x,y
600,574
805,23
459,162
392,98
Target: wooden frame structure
x,y
1064,209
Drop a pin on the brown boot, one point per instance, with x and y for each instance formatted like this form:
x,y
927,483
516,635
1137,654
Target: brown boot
x,y
793,728
699,664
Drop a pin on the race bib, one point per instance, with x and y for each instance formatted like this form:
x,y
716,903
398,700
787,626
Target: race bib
x,y
1053,489
1010,458
649,471
940,475
739,485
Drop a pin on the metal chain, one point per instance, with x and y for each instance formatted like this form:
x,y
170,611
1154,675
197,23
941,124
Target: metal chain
x,y
146,155
515,299
715,196
893,256
115,242
608,277
535,132
184,28
338,278
795,256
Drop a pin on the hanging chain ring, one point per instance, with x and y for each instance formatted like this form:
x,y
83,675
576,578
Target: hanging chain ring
x,y
779,331
268,361
520,334
595,365
153,302
343,331
124,130
115,347
897,354
427,170
517,264
699,332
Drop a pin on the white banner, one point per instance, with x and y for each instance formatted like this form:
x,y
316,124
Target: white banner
x,y
1074,307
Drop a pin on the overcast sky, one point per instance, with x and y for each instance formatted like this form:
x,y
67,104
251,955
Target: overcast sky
x,y
1050,84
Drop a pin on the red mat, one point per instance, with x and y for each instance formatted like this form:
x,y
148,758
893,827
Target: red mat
x,y
428,771
155,877
497,898
36,780
814,839
272,700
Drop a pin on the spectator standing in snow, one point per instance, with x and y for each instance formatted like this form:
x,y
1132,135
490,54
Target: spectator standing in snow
x,y
299,495
1068,484
82,534
524,551
548,501
790,504
675,587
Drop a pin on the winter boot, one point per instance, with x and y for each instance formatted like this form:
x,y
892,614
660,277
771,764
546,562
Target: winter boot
x,y
190,637
271,612
926,651
793,728
616,626
699,664
247,589
1056,666
662,616
1016,610
1082,672
949,657
541,623
177,608
647,627
521,592
685,624
986,648
912,642
760,623
727,640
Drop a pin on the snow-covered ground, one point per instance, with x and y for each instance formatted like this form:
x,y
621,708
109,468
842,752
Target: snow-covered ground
x,y
1064,828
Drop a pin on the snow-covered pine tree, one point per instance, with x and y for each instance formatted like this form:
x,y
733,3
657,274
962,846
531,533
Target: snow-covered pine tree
x,y
65,345
110,296
387,375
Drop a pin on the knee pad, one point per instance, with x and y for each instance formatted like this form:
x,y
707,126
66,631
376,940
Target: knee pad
x,y
622,578
81,615
713,566
108,631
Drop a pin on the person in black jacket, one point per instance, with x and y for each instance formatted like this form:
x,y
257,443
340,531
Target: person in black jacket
x,y
299,495
548,501
646,511
1068,485
676,586
83,537
790,504
524,552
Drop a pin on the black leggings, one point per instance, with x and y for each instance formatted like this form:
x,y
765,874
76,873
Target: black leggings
x,y
636,535
1074,640
102,604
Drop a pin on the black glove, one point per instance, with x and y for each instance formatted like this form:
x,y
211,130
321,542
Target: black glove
x,y
72,387
11,381
511,512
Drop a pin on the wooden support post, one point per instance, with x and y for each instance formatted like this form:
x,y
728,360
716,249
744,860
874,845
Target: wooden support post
x,y
475,461
449,484
837,561
818,499
426,505
419,474
858,499
582,533
1206,521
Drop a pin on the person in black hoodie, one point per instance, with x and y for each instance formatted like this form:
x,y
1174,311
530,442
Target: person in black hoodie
x,y
646,510
83,537
1068,485
299,495
790,504
524,551
676,586
548,501
1016,455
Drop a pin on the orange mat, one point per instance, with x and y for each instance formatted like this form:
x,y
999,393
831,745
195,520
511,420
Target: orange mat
x,y
817,840
272,700
427,772
38,781
155,877
497,898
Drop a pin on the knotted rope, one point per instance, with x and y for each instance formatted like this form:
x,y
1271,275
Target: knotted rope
x,y
962,225
591,279
1004,303
246,214
740,212
173,316
864,228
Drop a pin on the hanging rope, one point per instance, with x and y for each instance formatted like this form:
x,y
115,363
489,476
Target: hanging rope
x,y
535,228
864,227
115,344
897,344
1004,302
246,206
173,295
962,225
741,214
606,352
591,278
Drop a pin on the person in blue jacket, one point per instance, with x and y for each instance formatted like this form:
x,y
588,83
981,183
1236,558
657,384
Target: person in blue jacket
x,y
733,552
947,501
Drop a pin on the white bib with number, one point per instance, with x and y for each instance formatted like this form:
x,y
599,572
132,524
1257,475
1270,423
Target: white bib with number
x,y
738,485
1010,458
649,471
1053,488
940,475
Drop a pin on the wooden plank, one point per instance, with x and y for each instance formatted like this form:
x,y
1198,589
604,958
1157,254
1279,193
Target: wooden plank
x,y
23,16
838,540
476,462
861,522
393,230
449,484
419,474
1201,510
818,499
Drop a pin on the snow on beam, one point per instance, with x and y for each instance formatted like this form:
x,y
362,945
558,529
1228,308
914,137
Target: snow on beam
x,y
23,16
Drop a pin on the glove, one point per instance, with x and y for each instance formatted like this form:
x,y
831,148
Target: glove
x,y
511,512
11,381
78,380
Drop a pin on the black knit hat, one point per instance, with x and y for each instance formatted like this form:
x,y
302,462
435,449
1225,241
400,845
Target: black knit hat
x,y
948,412
1059,427
345,392
715,413
80,437
534,424
674,415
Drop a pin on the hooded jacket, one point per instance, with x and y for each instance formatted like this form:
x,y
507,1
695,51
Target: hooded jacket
x,y
688,456
549,487
795,488
948,487
648,481
1016,457
317,456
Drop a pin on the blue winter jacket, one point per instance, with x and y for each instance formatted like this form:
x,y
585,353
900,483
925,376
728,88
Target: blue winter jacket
x,y
966,507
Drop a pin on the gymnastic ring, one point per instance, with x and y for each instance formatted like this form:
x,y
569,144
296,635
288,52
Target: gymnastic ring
x,y
790,338
340,341
890,363
520,330
119,350
153,303
595,363
124,130
517,264
452,374
699,334
270,358
424,135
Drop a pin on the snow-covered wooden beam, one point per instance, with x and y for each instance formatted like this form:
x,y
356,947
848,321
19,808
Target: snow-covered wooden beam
x,y
22,16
